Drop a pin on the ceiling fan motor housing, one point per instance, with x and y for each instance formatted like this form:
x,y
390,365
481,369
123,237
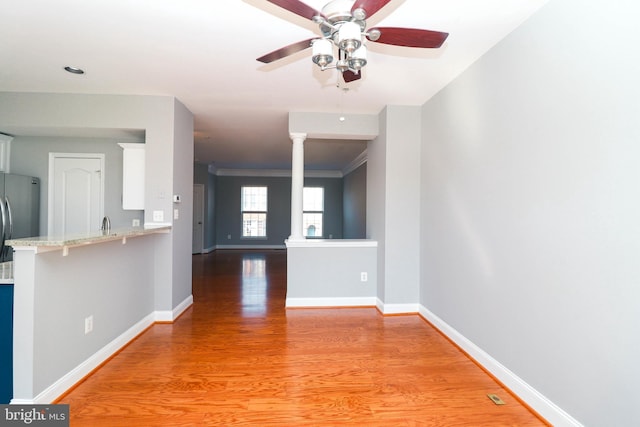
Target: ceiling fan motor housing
x,y
338,11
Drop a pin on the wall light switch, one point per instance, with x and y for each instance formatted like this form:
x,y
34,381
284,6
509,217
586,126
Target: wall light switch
x,y
176,214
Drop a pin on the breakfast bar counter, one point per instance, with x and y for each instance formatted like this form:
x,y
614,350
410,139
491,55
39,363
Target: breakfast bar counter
x,y
49,243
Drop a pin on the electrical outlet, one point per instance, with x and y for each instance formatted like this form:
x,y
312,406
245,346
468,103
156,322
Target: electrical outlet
x,y
88,324
228,236
135,223
158,216
363,276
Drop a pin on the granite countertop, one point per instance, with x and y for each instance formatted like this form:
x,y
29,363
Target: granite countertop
x,y
85,239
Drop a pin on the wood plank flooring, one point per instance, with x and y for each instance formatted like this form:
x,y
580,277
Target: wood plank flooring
x,y
237,357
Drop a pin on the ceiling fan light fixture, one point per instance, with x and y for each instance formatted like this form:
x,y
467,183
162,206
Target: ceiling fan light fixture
x,y
342,65
322,52
349,37
343,26
358,58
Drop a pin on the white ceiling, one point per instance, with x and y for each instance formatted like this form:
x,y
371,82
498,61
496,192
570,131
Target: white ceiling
x,y
203,53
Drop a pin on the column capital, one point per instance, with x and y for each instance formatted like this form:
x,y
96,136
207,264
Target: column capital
x,y
297,136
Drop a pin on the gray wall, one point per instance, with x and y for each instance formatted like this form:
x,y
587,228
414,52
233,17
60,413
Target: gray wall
x,y
332,281
393,219
531,205
116,297
376,193
30,156
354,203
182,184
228,217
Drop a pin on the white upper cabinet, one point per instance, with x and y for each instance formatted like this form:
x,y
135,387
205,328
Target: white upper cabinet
x,y
5,152
133,176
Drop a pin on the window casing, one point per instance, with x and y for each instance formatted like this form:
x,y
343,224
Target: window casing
x,y
254,212
313,212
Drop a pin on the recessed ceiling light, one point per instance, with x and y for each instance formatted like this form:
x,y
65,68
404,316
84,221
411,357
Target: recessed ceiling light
x,y
74,70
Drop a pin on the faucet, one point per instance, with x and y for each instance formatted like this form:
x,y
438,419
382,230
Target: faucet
x,y
106,225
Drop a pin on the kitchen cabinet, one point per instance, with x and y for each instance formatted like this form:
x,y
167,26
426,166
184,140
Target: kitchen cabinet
x,y
6,342
5,151
133,166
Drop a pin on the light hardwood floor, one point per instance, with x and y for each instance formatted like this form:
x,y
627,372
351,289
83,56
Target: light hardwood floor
x,y
238,357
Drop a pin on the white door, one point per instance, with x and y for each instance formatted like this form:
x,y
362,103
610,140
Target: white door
x,y
198,219
76,193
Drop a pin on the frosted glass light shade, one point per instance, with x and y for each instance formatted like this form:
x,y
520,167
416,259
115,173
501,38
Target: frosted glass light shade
x,y
358,58
349,37
322,52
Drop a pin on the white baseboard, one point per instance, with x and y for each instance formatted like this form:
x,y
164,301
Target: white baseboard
x,y
397,308
170,316
353,302
538,402
251,247
79,372
331,302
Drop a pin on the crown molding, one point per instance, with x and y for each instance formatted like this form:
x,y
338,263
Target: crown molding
x,y
355,164
282,173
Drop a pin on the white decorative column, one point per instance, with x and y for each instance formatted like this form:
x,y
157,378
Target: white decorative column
x,y
297,185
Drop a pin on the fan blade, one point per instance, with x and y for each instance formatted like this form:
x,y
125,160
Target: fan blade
x,y
285,51
350,76
369,6
410,37
297,7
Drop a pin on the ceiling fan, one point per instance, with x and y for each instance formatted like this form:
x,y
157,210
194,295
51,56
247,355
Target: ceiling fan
x,y
344,27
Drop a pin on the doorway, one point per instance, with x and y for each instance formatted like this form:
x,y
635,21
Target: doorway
x,y
76,193
197,241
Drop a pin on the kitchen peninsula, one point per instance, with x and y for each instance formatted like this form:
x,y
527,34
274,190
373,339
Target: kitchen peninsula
x,y
78,300
53,243
118,289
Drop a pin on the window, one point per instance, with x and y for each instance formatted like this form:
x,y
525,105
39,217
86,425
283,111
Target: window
x,y
254,211
313,210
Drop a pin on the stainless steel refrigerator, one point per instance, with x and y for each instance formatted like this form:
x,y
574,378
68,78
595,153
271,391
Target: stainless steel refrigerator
x,y
19,209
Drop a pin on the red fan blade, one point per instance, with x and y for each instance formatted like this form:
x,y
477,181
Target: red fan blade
x,y
350,76
285,51
297,7
410,37
369,6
